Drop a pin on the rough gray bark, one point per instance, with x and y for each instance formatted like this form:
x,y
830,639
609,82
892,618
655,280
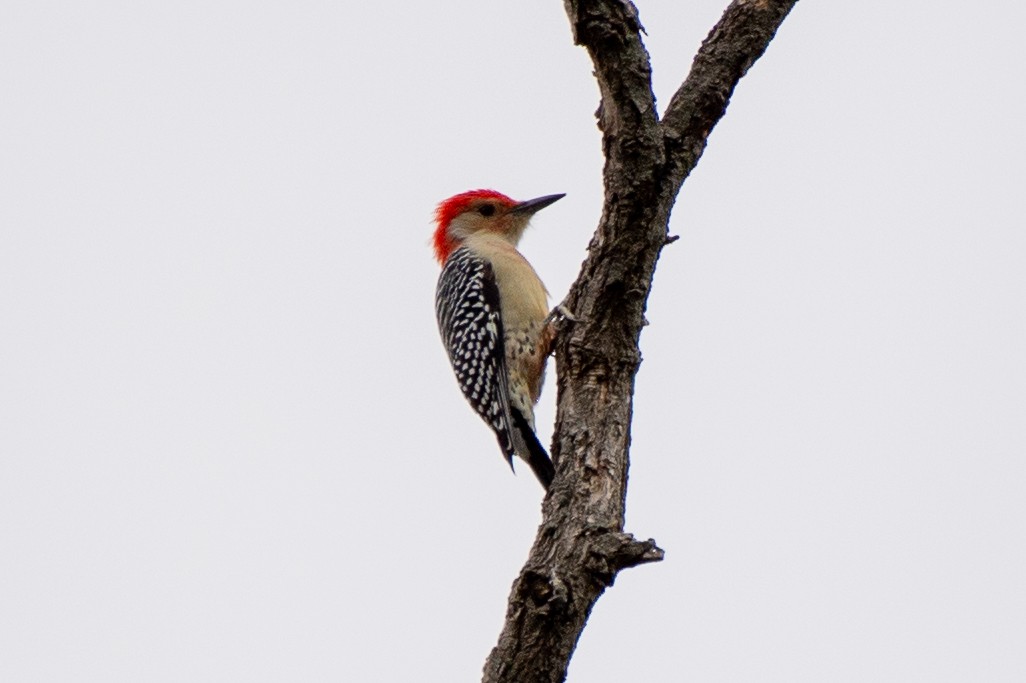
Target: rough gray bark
x,y
581,544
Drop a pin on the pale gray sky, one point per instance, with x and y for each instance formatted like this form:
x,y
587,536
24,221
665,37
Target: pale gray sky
x,y
231,448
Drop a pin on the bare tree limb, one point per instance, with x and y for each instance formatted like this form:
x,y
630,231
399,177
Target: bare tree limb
x,y
581,544
741,36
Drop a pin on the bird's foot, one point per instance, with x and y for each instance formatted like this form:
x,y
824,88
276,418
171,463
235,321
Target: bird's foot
x,y
561,311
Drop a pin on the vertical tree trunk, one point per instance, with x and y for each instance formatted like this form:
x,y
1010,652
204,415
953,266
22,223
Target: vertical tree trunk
x,y
581,544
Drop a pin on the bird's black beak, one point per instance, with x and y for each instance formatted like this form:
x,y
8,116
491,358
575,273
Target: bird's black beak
x,y
532,205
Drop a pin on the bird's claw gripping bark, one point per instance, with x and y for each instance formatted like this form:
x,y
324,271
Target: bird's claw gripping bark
x,y
561,311
552,324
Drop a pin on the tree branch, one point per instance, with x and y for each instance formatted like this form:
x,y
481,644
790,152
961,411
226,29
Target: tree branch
x,y
581,545
741,36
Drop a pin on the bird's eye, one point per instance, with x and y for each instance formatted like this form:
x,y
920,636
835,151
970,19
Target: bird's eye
x,y
487,210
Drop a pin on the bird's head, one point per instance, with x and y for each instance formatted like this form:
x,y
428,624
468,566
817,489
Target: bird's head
x,y
483,210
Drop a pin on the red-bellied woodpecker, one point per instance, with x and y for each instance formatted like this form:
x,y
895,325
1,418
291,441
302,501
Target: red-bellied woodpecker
x,y
492,312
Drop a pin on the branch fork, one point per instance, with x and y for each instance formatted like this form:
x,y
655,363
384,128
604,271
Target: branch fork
x,y
581,545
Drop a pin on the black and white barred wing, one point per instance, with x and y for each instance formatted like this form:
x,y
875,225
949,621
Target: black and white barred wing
x,y
468,311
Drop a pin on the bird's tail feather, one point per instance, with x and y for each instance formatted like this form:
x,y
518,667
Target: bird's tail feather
x,y
530,449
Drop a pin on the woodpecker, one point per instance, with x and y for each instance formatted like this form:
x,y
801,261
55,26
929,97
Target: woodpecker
x,y
492,311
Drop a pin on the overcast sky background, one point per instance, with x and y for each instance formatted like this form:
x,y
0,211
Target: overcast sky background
x,y
231,447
